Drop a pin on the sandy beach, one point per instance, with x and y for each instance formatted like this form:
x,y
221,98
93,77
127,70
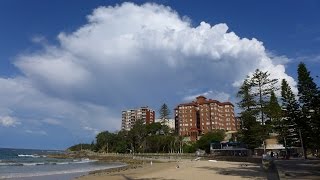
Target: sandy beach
x,y
185,170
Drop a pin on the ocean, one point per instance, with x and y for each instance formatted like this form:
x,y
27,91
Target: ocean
x,y
18,164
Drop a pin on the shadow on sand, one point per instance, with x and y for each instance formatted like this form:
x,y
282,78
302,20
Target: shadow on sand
x,y
299,169
252,171
128,178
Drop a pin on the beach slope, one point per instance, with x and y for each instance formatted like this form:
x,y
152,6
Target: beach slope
x,y
185,170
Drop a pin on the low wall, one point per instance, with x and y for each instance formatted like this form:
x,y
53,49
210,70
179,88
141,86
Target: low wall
x,y
156,156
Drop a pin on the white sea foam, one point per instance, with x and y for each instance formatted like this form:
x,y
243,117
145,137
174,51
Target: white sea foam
x,y
10,164
29,155
33,164
62,163
83,170
21,164
75,161
84,161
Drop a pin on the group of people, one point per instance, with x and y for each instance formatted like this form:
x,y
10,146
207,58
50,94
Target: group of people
x,y
270,155
274,154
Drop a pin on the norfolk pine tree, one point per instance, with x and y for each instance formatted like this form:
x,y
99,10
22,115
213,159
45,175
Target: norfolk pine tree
x,y
255,93
287,126
273,112
262,86
251,130
247,102
164,113
309,104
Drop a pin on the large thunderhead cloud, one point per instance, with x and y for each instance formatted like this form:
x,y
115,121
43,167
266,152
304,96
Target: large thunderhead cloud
x,y
128,56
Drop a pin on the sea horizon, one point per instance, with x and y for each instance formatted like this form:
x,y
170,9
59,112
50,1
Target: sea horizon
x,y
28,148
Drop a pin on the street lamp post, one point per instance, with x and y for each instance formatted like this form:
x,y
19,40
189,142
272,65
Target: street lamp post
x,y
301,143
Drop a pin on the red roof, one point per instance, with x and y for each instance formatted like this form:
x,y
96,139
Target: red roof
x,y
206,102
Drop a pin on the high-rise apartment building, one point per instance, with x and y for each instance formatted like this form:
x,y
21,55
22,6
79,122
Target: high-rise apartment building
x,y
239,123
201,116
129,117
168,122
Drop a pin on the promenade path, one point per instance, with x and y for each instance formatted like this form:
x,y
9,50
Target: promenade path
x,y
298,169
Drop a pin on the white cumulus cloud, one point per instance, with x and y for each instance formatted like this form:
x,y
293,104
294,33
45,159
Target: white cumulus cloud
x,y
127,56
8,121
220,96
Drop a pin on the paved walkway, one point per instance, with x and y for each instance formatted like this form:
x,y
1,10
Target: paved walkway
x,y
298,169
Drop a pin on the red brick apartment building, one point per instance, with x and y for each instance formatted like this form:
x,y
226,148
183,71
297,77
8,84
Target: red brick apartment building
x,y
201,116
129,117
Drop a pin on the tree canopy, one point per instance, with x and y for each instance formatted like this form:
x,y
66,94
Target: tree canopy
x,y
258,102
205,140
289,118
287,125
142,138
164,112
309,123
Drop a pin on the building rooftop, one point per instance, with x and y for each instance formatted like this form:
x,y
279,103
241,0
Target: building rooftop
x,y
203,100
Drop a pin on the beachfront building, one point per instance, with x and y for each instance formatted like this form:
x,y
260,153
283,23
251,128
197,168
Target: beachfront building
x,y
129,117
203,115
239,123
272,145
226,148
169,122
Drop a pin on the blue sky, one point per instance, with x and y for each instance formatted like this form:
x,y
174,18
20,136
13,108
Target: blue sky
x,y
68,68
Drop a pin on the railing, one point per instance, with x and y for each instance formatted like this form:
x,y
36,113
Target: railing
x,y
172,156
141,154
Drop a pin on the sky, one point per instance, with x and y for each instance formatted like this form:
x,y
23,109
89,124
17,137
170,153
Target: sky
x,y
68,68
